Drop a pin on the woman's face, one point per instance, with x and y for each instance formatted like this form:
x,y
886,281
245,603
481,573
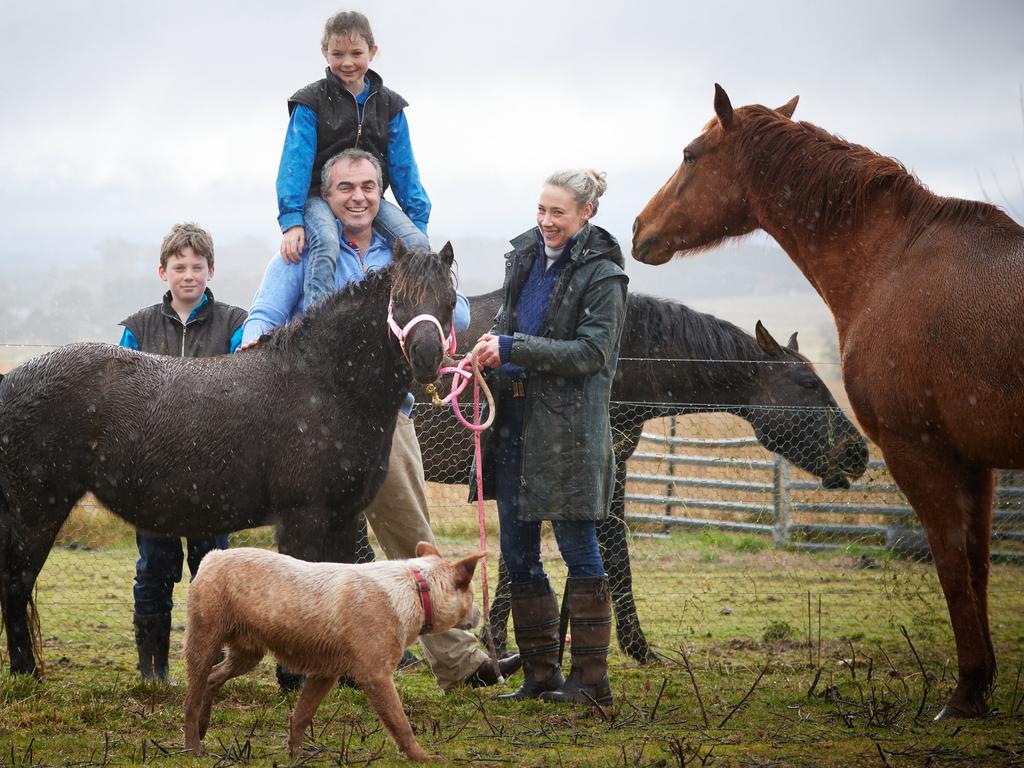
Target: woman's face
x,y
558,215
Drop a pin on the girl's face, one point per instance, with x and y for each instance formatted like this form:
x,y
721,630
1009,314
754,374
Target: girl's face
x,y
558,215
349,57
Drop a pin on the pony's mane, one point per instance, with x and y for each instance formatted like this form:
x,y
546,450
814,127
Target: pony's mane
x,y
667,329
824,180
341,304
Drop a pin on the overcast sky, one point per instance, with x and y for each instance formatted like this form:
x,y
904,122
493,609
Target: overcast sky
x,y
121,118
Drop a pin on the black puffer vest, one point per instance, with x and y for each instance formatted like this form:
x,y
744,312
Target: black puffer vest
x,y
338,126
159,330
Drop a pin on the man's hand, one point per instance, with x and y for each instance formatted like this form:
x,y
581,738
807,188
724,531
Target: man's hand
x,y
489,356
293,244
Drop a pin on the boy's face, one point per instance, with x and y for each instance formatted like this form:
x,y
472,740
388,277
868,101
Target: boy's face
x,y
354,194
186,274
349,57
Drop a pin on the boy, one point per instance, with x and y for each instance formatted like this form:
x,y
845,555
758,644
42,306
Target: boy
x,y
349,108
187,323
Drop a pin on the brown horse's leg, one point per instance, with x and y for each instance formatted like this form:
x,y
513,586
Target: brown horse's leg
x,y
979,539
947,496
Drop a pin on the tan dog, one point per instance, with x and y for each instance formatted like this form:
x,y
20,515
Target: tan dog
x,y
322,619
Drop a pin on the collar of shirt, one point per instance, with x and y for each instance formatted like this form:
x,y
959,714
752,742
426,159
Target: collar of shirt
x,y
353,265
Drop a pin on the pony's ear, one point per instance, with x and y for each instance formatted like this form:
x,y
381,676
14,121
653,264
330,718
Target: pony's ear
x,y
723,107
465,568
765,340
398,250
425,548
792,346
447,254
789,107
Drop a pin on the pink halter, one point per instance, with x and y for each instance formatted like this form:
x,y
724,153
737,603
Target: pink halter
x,y
400,333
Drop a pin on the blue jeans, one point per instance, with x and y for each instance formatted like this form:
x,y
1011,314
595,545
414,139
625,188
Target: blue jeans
x,y
323,243
159,568
519,539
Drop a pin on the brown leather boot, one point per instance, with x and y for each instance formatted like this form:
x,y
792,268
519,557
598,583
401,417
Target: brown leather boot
x,y
590,616
535,615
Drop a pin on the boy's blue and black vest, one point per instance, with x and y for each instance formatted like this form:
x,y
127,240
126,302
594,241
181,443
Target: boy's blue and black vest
x,y
159,330
338,126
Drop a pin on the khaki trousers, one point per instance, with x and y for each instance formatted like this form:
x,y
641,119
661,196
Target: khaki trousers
x,y
400,520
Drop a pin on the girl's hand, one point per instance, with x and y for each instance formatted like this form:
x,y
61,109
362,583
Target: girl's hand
x,y
489,356
293,244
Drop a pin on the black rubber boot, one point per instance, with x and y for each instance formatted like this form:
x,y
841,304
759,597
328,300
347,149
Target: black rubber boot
x,y
535,616
590,616
153,639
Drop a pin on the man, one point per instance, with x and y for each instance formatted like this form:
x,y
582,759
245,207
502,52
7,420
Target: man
x,y
351,184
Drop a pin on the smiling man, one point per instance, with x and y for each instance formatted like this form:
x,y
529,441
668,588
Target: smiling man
x,y
351,186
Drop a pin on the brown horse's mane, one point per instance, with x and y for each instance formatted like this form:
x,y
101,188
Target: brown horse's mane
x,y
824,181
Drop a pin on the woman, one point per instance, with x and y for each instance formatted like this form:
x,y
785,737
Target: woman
x,y
555,343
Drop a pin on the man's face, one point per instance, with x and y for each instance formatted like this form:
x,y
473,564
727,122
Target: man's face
x,y
186,274
354,194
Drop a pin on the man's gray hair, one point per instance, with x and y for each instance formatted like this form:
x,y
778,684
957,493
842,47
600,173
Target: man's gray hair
x,y
349,156
586,184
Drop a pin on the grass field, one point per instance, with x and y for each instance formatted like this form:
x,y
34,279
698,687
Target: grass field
x,y
772,658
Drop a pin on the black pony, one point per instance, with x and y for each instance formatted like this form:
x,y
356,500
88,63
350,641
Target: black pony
x,y
293,432
674,360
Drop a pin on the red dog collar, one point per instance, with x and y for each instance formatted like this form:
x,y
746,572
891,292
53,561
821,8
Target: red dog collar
x,y
423,588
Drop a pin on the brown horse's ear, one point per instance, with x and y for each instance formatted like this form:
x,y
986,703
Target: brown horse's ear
x,y
792,346
425,548
447,254
465,568
723,107
398,250
765,340
789,107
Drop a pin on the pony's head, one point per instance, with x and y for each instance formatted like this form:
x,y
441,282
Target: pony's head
x,y
705,201
422,303
796,416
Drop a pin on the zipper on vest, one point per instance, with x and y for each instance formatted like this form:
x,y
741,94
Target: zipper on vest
x,y
361,111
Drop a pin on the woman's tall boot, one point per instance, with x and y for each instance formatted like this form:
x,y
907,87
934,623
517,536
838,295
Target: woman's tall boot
x,y
590,616
535,615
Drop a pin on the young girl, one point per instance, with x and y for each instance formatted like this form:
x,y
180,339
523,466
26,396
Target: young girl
x,y
349,108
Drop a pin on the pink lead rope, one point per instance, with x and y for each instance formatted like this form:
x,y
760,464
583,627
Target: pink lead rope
x,y
460,380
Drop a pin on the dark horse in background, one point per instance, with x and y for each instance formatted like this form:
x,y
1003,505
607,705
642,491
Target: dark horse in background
x,y
294,432
927,294
674,360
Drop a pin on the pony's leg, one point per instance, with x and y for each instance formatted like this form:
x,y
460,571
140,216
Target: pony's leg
x,y
24,552
947,496
313,692
979,539
613,540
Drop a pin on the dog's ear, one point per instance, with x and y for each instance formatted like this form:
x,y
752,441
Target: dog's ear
x,y
425,548
465,568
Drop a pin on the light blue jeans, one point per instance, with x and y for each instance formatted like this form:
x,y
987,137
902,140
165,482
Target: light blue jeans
x,y
323,233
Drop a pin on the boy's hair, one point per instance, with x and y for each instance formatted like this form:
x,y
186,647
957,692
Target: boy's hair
x,y
187,235
347,24
351,155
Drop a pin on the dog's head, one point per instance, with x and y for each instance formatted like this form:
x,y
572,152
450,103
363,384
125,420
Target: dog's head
x,y
451,588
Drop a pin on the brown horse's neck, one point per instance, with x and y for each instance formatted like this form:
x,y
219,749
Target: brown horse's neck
x,y
845,262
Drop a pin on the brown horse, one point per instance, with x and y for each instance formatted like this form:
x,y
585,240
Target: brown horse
x,y
927,294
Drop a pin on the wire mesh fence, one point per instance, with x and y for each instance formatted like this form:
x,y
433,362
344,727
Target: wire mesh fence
x,y
707,525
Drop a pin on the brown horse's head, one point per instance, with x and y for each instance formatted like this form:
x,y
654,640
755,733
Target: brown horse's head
x,y
705,200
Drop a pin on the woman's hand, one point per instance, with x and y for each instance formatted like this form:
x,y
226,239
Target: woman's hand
x,y
489,356
293,244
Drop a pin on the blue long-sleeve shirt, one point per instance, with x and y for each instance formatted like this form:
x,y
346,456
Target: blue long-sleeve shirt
x,y
279,297
299,154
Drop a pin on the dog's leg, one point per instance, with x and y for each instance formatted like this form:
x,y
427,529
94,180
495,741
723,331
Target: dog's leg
x,y
237,662
313,692
201,649
383,697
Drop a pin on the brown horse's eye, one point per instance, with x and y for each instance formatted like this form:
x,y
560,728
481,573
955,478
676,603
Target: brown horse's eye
x,y
688,157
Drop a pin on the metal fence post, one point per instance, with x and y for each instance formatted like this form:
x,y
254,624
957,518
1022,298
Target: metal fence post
x,y
781,502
